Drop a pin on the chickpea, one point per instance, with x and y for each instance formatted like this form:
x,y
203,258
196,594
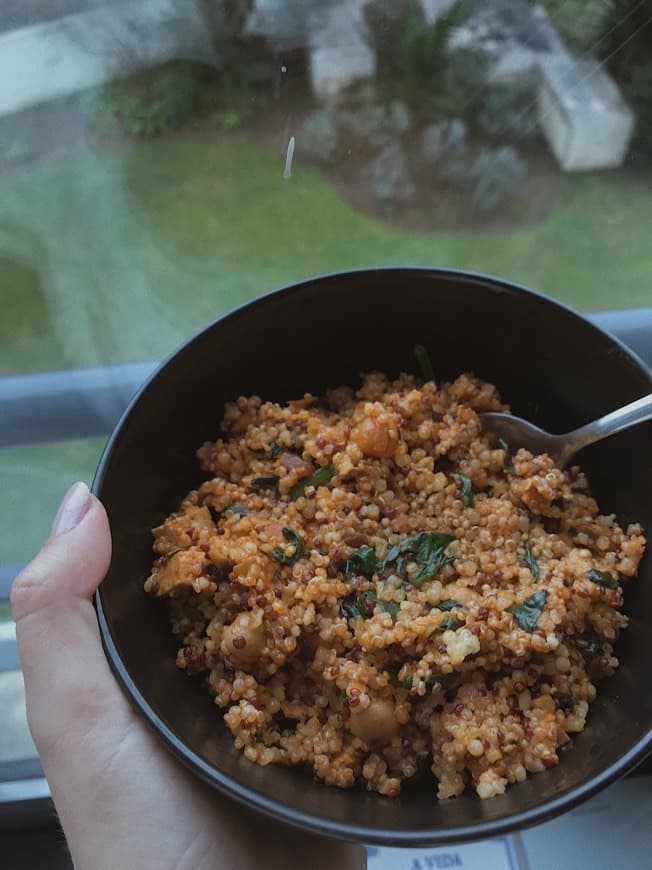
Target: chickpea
x,y
377,437
377,723
244,639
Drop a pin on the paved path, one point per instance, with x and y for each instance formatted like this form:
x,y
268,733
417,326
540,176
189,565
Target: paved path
x,y
21,13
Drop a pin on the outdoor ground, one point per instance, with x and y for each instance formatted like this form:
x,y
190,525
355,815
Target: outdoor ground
x,y
114,253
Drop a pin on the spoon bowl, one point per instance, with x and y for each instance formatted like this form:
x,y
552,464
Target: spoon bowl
x,y
517,432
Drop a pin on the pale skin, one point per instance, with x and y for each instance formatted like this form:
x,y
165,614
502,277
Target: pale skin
x,y
122,800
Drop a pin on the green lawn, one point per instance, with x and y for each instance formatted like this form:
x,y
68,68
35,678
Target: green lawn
x,y
34,479
120,253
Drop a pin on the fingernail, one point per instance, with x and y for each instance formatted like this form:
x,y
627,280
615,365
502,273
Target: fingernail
x,y
72,509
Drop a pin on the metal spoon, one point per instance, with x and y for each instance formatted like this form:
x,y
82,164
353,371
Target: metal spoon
x,y
519,433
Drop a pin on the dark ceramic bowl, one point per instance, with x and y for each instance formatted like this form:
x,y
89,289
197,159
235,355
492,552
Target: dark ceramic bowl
x,y
552,366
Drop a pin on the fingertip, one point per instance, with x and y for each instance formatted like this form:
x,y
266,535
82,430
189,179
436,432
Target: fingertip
x,y
70,565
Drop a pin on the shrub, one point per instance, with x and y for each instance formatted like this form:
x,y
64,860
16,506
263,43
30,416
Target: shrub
x,y
148,104
414,62
245,64
580,23
626,48
495,173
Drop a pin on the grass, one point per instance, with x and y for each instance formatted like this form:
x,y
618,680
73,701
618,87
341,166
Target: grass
x,y
34,480
120,254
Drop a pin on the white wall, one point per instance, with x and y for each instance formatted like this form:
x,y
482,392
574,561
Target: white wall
x,y
57,58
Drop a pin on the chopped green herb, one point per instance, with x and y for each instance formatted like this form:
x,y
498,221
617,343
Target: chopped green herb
x,y
269,481
527,614
406,683
423,358
391,607
294,538
234,508
429,549
275,449
172,552
349,607
362,561
467,489
318,478
508,464
590,645
603,578
448,604
532,561
442,681
391,556
270,452
436,417
216,515
359,605
449,623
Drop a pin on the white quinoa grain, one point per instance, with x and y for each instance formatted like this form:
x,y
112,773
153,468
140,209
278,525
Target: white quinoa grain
x,y
321,653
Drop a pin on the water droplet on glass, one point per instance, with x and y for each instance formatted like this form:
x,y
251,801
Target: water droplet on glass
x,y
287,172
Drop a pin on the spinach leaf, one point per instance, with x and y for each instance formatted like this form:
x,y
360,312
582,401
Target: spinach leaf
x,y
349,607
269,481
423,358
292,537
216,515
603,578
271,452
527,614
467,489
391,607
359,605
318,478
275,449
443,681
362,561
429,549
235,507
449,623
405,683
392,555
532,561
508,463
448,604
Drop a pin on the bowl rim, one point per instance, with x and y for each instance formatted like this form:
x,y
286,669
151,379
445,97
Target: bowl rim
x,y
249,797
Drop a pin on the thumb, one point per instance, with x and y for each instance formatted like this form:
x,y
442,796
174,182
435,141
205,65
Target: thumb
x,y
67,678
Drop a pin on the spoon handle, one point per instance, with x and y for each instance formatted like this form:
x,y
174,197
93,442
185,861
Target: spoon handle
x,y
636,412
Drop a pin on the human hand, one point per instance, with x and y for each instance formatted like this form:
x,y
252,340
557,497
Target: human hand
x,y
122,800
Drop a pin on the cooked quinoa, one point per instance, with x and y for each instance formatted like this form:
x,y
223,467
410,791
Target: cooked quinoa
x,y
371,588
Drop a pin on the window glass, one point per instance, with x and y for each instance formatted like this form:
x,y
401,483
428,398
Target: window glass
x,y
163,161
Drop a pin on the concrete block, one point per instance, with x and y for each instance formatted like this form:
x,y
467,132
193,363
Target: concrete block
x,y
583,115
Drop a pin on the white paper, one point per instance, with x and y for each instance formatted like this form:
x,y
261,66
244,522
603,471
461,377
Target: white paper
x,y
497,854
